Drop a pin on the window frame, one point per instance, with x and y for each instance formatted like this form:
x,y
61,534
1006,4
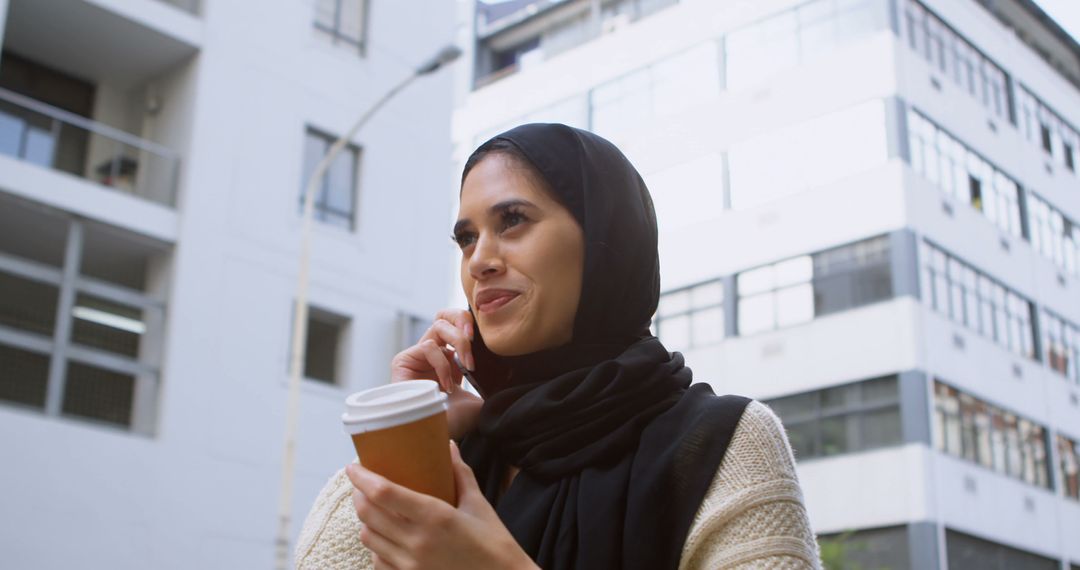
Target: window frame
x,y
336,35
321,210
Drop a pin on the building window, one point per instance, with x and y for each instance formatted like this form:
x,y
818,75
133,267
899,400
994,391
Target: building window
x,y
325,346
691,317
797,290
852,276
335,197
982,433
962,174
342,22
1069,466
950,54
842,419
821,151
1053,235
866,548
775,296
1044,128
1061,340
795,36
970,298
663,88
966,551
105,369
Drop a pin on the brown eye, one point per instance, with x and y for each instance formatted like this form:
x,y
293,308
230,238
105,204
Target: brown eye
x,y
463,240
511,219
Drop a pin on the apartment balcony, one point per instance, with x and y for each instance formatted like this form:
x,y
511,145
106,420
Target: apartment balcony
x,y
126,42
52,138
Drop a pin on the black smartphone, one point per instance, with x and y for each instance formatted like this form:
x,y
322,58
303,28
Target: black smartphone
x,y
490,375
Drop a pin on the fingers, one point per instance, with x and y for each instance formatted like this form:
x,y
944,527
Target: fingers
x,y
434,355
378,519
430,358
385,552
445,332
389,496
464,479
459,318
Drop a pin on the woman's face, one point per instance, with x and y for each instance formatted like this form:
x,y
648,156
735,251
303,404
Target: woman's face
x,y
522,258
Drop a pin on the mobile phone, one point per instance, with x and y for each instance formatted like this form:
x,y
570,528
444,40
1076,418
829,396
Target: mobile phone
x,y
468,375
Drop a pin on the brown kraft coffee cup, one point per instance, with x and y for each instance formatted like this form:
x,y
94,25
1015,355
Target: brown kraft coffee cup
x,y
400,432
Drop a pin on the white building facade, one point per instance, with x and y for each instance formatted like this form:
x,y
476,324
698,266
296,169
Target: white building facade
x,y
152,155
870,219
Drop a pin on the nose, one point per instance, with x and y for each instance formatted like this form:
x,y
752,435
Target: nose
x,y
486,260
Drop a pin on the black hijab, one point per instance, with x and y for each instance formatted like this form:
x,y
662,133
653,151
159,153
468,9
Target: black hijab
x,y
616,448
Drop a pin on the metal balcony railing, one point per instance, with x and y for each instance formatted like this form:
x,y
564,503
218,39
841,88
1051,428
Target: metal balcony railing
x,y
54,138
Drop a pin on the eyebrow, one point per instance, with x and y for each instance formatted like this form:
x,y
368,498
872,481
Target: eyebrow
x,y
497,208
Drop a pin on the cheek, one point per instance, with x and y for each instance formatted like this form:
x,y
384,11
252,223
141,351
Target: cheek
x,y
562,279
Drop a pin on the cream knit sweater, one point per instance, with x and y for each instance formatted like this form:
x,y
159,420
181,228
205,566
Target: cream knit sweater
x,y
752,515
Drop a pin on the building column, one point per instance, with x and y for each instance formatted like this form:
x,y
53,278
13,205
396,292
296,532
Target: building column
x,y
54,393
904,263
923,545
914,407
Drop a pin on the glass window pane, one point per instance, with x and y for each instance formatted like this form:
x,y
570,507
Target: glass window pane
x,y
794,271
794,305
675,332
672,303
755,281
837,435
103,324
28,305
756,314
39,148
708,326
708,294
23,376
881,428
838,398
791,408
351,23
341,182
324,339
803,439
99,394
325,11
880,390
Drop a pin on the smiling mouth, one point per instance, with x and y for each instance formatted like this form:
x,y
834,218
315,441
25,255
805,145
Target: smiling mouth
x,y
497,303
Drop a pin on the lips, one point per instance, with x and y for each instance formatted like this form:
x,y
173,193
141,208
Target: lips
x,y
490,300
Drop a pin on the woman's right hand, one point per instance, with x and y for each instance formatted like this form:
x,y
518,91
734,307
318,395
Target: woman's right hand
x,y
430,359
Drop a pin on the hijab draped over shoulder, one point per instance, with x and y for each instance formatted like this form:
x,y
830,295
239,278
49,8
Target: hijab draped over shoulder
x,y
616,449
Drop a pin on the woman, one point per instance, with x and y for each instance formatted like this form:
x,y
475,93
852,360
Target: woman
x,y
591,448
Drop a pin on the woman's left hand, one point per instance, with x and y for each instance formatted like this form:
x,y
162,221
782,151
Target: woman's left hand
x,y
406,530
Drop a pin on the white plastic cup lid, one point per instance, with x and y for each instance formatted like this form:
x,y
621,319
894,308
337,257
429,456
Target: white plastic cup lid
x,y
392,405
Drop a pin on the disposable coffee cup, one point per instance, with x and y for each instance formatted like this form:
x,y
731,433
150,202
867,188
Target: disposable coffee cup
x,y
400,432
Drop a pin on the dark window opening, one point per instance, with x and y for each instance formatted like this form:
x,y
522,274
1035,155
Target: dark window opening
x,y
1044,130
325,339
975,189
98,394
23,376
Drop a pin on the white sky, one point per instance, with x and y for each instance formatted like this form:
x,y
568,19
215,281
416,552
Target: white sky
x,y
1065,12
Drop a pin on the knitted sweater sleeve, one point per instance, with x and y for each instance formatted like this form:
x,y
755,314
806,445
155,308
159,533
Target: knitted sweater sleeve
x,y
751,517
753,514
330,537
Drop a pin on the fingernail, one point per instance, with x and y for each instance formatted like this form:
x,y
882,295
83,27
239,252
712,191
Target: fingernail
x,y
468,330
472,362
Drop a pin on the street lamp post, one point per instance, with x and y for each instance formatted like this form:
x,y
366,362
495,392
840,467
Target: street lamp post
x,y
299,325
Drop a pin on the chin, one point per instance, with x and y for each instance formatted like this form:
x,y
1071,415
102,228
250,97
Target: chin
x,y
502,346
